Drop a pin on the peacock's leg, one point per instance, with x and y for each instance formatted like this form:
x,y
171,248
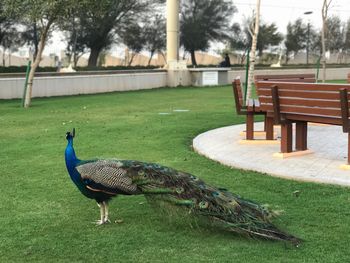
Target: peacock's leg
x,y
106,220
102,213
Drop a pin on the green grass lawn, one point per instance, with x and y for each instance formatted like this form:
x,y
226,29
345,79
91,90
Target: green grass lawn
x,y
45,218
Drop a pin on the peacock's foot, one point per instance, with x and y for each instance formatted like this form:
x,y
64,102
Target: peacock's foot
x,y
101,222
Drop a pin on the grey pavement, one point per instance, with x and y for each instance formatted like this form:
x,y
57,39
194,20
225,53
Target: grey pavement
x,y
327,143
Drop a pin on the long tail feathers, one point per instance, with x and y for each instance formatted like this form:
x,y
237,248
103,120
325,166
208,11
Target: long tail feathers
x,y
265,231
217,205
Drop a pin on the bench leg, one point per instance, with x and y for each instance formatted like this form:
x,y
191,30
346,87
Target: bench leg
x,y
250,126
301,135
269,128
286,138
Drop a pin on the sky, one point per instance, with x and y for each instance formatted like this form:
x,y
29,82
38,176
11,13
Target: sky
x,y
283,11
278,11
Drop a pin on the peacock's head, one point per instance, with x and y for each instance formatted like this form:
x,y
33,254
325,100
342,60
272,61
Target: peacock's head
x,y
70,135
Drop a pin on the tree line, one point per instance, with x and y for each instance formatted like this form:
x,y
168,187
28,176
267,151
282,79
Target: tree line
x,y
93,27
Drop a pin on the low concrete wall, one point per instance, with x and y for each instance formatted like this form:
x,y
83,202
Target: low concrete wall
x,y
11,88
331,73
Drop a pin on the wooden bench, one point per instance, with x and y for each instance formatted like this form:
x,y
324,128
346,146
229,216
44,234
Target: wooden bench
x,y
309,78
301,103
348,78
250,109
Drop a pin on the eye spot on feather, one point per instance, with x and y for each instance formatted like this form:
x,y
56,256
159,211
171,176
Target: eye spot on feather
x,y
215,194
161,181
180,190
203,205
194,178
141,173
202,186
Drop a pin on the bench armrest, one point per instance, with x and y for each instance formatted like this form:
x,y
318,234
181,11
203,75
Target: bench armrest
x,y
276,105
344,105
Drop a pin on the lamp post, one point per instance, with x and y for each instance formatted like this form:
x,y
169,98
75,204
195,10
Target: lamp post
x,y
308,37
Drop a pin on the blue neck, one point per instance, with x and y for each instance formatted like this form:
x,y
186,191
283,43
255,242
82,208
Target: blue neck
x,y
71,158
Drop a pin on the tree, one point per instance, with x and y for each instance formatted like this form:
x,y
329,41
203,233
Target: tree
x,y
295,38
74,36
100,22
44,12
6,22
10,42
347,37
8,33
334,34
238,41
154,36
268,36
133,38
204,21
241,39
31,35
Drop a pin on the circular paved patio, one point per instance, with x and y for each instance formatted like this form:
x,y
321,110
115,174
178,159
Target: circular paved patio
x,y
328,144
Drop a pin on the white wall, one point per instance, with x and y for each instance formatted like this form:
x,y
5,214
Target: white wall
x,y
11,88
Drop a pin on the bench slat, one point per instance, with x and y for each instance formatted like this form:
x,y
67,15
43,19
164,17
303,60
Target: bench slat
x,y
301,94
311,111
287,77
261,85
316,119
306,102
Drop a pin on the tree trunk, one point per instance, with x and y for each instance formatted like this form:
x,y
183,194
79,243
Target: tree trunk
x,y
3,57
42,42
253,51
164,58
95,52
243,57
193,58
150,58
132,58
75,60
287,57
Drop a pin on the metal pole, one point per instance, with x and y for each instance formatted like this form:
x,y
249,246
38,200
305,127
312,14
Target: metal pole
x,y
246,75
308,37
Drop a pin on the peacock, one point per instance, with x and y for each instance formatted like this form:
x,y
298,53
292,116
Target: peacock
x,y
103,179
